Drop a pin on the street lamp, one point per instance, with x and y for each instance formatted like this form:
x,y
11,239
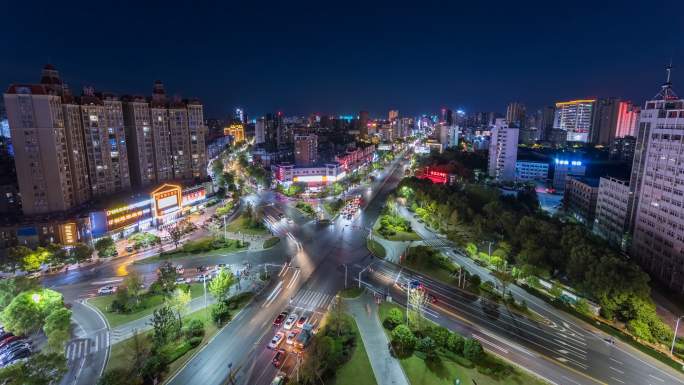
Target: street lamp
x,y
675,334
36,298
361,272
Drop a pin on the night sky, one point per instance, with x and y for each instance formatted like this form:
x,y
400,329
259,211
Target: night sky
x,y
299,57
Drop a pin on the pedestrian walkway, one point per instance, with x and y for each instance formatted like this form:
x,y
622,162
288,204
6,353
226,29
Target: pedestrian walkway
x,y
312,300
81,347
386,368
393,249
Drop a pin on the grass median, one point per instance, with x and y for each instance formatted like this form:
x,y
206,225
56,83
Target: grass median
x,y
357,370
376,248
149,302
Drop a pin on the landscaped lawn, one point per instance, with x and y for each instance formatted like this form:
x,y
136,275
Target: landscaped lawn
x,y
149,304
358,370
121,353
183,254
239,224
436,267
399,234
419,373
376,248
270,242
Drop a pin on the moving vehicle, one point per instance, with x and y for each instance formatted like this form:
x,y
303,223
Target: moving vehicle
x,y
279,319
290,338
276,340
129,249
203,277
279,358
304,336
279,379
289,323
302,320
106,290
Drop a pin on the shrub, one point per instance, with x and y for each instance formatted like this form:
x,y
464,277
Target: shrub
x,y
195,341
403,340
455,344
475,281
427,345
194,328
472,350
394,318
441,336
220,313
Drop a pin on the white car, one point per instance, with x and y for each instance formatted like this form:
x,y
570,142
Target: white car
x,y
202,277
276,340
181,280
290,321
106,290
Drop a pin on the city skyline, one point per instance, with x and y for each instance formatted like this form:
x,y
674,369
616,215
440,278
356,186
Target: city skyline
x,y
441,55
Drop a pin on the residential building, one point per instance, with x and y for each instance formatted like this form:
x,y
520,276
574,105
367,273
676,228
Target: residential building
x,y
363,124
260,131
529,170
575,117
658,238
393,115
622,149
580,198
306,150
614,118
515,114
503,151
612,210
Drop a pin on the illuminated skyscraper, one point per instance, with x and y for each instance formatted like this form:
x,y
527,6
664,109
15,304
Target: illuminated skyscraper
x,y
503,151
306,150
575,118
515,114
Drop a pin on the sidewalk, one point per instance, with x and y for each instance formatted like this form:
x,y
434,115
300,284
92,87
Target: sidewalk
x,y
394,249
386,368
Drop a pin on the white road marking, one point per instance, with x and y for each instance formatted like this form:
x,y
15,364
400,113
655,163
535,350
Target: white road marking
x,y
617,370
617,379
616,361
571,380
490,343
657,378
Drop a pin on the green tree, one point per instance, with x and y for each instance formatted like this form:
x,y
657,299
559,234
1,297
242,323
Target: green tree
x,y
179,302
57,328
403,340
220,286
13,259
133,284
28,310
81,253
39,369
166,279
118,376
33,260
472,350
428,346
105,247
165,326
455,343
11,287
176,234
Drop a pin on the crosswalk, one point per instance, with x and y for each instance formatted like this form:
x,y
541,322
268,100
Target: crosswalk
x,y
436,242
82,347
311,300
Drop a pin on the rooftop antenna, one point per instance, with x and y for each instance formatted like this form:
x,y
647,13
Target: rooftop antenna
x,y
666,91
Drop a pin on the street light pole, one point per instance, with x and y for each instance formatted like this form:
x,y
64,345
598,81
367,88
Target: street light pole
x,y
204,284
345,275
361,272
675,334
225,229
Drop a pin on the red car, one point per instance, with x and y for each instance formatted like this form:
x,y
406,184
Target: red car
x,y
279,358
279,319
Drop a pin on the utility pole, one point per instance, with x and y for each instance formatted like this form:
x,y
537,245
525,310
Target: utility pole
x,y
361,272
676,327
204,284
225,229
345,275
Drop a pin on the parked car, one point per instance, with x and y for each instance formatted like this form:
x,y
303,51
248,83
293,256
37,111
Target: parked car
x,y
276,340
105,290
181,280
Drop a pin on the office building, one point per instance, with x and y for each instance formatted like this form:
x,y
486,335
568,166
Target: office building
x,y
236,130
612,210
306,150
658,238
628,117
546,124
260,131
515,114
530,170
564,167
503,150
580,198
393,115
575,117
614,118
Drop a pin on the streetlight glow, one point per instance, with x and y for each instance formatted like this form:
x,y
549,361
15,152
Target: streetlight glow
x,y
35,297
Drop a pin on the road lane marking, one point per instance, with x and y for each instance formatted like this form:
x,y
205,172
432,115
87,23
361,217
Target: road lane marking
x,y
294,278
617,379
486,341
656,378
571,380
617,370
616,361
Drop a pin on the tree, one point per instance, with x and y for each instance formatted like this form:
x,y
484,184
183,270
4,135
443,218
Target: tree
x,y
220,286
165,326
28,310
403,340
178,302
105,247
35,259
39,369
472,350
428,346
441,336
133,283
81,253
13,259
176,234
455,343
57,328
117,376
166,279
11,287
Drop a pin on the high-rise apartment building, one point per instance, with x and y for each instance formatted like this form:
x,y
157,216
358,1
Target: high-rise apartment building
x,y
363,124
141,144
612,210
658,239
515,114
503,151
575,117
614,118
393,115
306,150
